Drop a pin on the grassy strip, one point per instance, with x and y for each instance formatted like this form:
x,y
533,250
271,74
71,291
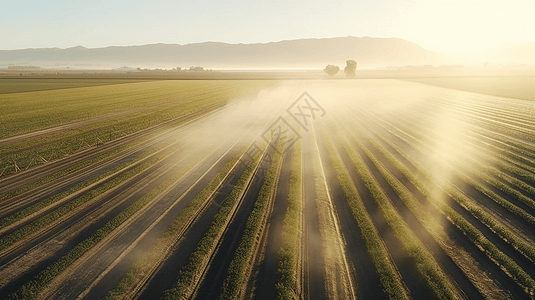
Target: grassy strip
x,y
32,289
390,281
210,238
426,264
61,173
291,231
236,272
512,268
162,245
66,208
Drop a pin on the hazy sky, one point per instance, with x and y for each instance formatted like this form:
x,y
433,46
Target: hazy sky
x,y
438,25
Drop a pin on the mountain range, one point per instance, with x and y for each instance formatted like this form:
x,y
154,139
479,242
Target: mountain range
x,y
296,54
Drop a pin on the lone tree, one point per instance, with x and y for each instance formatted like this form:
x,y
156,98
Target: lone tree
x,y
350,68
331,70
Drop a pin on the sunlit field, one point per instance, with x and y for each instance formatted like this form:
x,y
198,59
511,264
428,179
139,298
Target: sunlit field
x,y
266,189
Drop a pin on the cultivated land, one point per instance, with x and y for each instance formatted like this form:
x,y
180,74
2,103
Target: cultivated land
x,y
194,189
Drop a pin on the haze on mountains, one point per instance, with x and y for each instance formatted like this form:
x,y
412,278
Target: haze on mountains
x,y
369,52
297,54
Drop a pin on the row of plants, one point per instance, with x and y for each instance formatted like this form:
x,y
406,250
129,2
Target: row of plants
x,y
155,111
163,149
488,123
482,112
292,234
524,247
517,157
447,164
505,107
104,182
426,264
31,289
488,142
421,212
61,173
390,279
188,275
509,235
74,140
142,267
69,105
257,218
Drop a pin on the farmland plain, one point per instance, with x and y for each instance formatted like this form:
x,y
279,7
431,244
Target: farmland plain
x,y
254,189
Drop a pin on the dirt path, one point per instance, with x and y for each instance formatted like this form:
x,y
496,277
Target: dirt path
x,y
314,262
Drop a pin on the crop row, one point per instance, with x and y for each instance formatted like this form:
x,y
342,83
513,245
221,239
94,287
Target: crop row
x,y
157,252
483,112
257,218
529,251
31,289
200,257
24,112
110,179
509,149
513,269
80,138
56,175
447,164
489,124
291,231
492,157
388,276
22,85
435,278
515,154
468,177
82,186
421,212
178,100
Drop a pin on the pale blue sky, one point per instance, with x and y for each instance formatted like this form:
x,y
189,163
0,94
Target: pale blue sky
x,y
438,25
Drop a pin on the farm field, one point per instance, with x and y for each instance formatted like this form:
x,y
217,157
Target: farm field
x,y
512,86
252,189
17,85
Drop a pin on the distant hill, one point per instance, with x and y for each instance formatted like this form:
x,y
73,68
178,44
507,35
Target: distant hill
x,y
303,53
